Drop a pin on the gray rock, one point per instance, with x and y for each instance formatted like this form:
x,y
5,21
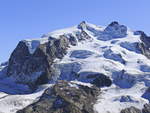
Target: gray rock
x,y
116,30
72,40
65,97
97,79
34,69
131,110
146,109
145,45
146,95
82,25
83,36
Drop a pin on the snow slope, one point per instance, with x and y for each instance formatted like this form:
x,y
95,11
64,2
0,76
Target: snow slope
x,y
108,52
118,58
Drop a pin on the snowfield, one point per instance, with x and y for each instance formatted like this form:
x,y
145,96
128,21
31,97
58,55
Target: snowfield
x,y
108,52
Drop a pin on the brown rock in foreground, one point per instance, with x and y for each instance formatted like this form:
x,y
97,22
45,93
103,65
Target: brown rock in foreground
x,y
65,97
146,109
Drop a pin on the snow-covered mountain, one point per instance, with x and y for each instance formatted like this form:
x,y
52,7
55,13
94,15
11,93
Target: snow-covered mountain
x,y
113,58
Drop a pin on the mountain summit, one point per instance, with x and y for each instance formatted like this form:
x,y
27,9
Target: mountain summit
x,y
65,70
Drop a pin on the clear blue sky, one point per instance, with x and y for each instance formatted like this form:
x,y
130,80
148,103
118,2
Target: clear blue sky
x,y
20,19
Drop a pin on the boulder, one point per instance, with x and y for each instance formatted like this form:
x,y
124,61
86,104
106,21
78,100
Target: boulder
x,y
97,79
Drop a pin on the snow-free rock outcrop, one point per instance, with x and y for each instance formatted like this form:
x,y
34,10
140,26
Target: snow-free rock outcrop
x,y
146,109
65,97
35,68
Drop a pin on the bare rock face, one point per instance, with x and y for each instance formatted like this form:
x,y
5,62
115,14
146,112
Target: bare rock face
x,y
35,69
83,36
116,30
65,97
98,79
146,95
146,109
73,41
131,110
31,61
145,44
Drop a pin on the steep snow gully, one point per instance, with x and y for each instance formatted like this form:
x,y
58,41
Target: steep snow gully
x,y
114,59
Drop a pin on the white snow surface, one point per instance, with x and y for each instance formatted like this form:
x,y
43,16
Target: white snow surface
x,y
110,57
119,58
32,44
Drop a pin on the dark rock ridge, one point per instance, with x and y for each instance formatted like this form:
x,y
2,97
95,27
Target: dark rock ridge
x,y
146,95
98,79
36,68
145,44
116,30
65,97
131,110
146,109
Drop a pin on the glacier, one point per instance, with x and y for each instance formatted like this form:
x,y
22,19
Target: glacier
x,y
112,51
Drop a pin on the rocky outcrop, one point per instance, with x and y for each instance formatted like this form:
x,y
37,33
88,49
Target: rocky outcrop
x,y
83,36
72,39
146,109
35,68
131,110
65,97
145,44
31,61
116,30
146,95
97,79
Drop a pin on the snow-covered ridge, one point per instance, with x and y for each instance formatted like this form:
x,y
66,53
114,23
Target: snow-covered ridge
x,y
32,44
112,51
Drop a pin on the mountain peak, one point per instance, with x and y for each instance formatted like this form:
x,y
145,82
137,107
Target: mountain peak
x,y
112,58
82,25
113,23
116,30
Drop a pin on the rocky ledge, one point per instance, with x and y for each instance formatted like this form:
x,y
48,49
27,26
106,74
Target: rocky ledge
x,y
146,109
65,97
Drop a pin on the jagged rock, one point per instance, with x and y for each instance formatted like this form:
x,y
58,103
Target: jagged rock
x,y
35,68
98,79
146,95
131,110
72,40
65,97
116,30
101,80
82,25
146,109
83,36
145,45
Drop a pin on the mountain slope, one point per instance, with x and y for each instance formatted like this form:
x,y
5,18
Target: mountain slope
x,y
114,58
